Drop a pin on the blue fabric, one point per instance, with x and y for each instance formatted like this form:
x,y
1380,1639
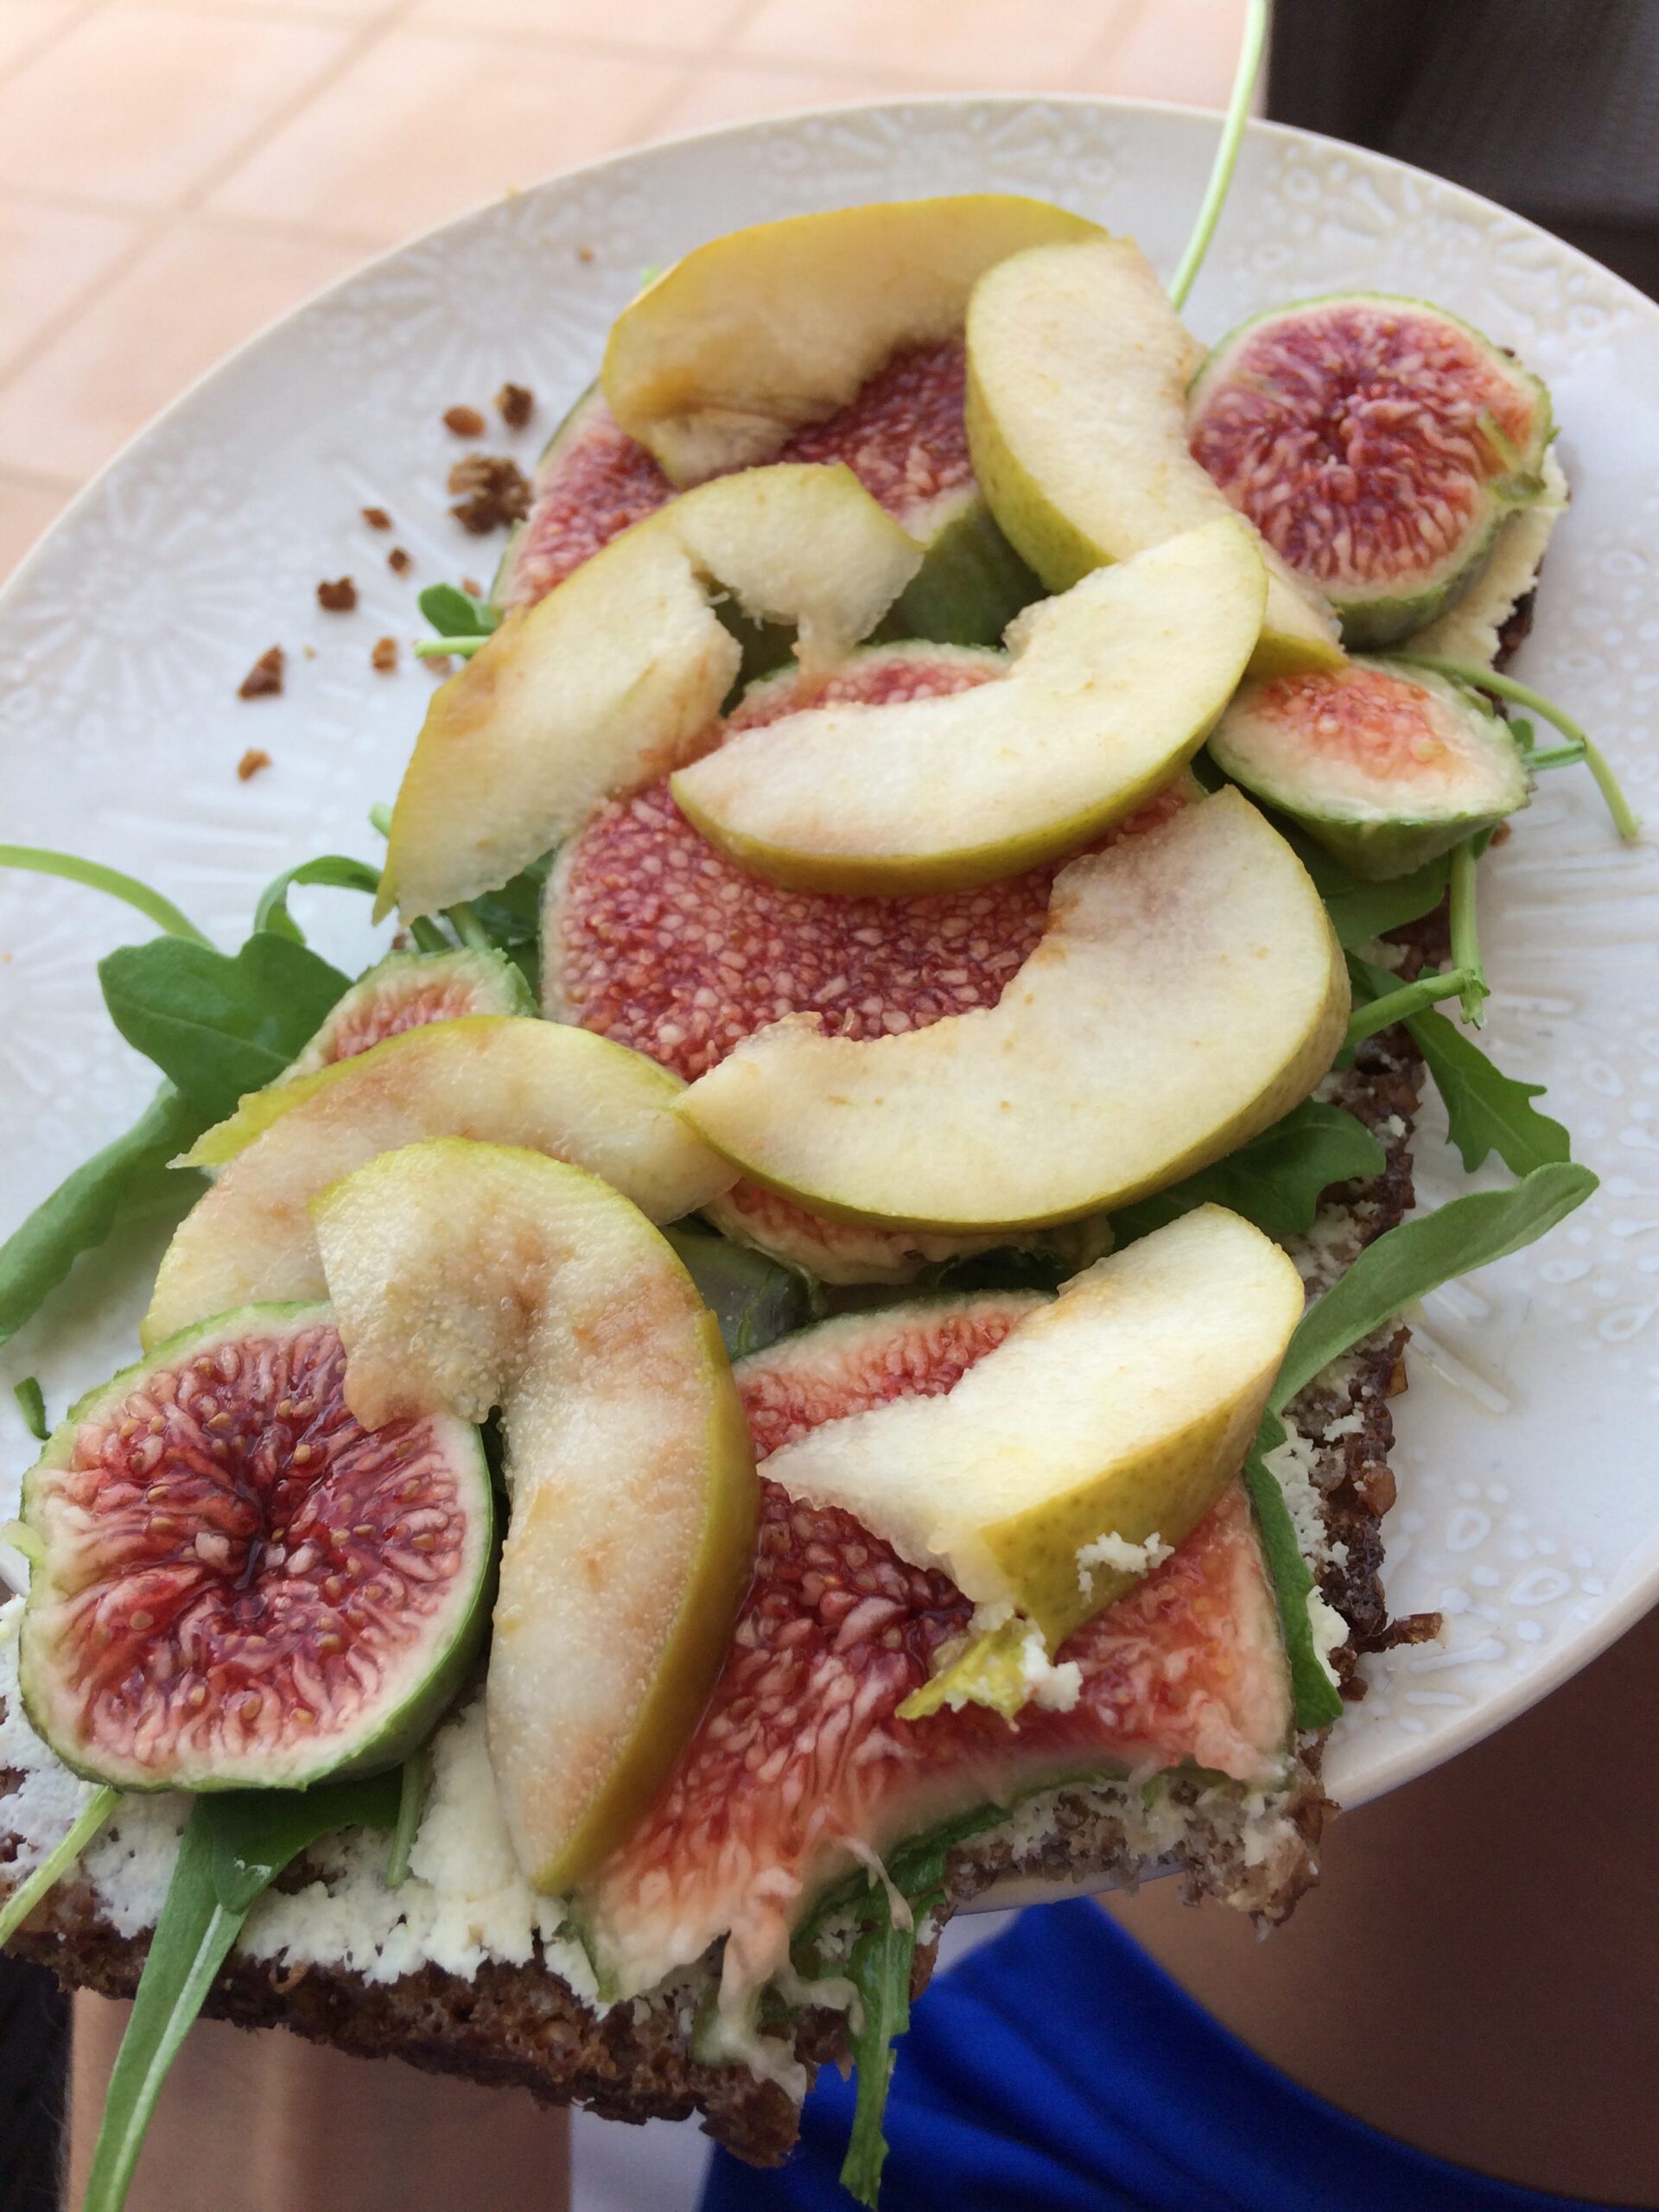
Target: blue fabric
x,y
1060,2070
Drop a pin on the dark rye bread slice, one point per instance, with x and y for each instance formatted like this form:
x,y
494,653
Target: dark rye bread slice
x,y
522,2025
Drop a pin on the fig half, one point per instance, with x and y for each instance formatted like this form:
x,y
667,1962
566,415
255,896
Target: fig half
x,y
241,1586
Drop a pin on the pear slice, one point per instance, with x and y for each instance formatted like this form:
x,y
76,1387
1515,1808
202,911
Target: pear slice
x,y
612,679
1110,690
757,333
500,1078
465,1276
1189,991
1113,1417
1077,369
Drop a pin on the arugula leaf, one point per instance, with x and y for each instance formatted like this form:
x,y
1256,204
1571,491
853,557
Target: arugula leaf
x,y
235,1844
414,1785
31,1403
86,1206
455,613
1360,911
755,1299
39,860
1407,1262
1275,1180
1487,1111
333,870
513,916
1319,1702
218,1024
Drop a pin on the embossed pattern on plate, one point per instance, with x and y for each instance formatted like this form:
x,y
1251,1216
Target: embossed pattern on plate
x,y
1528,1512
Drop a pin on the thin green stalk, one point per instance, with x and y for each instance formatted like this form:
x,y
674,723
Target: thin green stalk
x,y
1626,821
39,860
467,927
1220,175
1557,756
53,1868
413,1784
428,936
1465,942
380,817
441,648
1410,998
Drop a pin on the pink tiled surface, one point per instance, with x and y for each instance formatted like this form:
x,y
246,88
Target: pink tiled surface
x,y
238,153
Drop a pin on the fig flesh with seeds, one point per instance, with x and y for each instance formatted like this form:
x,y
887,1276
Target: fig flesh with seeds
x,y
241,1586
802,1752
1387,768
1377,444
473,1275
406,990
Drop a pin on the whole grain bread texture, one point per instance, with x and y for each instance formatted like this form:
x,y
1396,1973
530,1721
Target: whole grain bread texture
x,y
522,2026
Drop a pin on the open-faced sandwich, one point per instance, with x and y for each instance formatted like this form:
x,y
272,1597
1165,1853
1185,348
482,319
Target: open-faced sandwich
x,y
821,1333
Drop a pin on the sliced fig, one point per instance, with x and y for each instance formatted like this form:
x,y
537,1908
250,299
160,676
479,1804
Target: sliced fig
x,y
1376,443
406,991
801,1767
240,1587
1387,768
653,940
902,435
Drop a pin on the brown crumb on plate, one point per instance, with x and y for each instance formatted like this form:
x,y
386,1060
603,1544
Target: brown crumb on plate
x,y
463,422
437,663
383,656
492,492
584,253
377,517
515,403
339,597
472,586
398,560
264,679
251,762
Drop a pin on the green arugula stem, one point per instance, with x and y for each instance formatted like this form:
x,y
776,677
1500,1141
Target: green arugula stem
x,y
413,1785
380,817
1626,821
428,936
1559,756
56,1863
1465,942
39,860
467,927
1220,175
1410,998
441,648
31,1403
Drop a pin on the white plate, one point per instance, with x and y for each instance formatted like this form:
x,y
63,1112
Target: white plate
x,y
1528,1511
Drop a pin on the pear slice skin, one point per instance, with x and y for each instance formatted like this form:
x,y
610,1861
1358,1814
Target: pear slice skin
x,y
1125,1408
1110,690
750,336
499,1078
1078,369
1188,992
469,1275
613,679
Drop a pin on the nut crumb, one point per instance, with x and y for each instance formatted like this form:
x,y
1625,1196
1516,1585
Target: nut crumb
x,y
516,404
251,762
1501,834
398,560
377,517
264,679
495,491
463,422
472,586
339,597
437,663
310,652
382,655
584,253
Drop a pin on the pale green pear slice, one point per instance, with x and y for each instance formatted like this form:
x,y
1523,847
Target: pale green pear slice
x,y
499,1078
1189,991
1107,1422
466,1276
613,678
767,328
1110,690
1078,369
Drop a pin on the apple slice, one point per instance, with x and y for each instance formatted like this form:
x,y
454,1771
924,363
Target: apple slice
x,y
501,1078
613,678
465,1276
1077,369
1110,1421
756,333
1189,991
1110,690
